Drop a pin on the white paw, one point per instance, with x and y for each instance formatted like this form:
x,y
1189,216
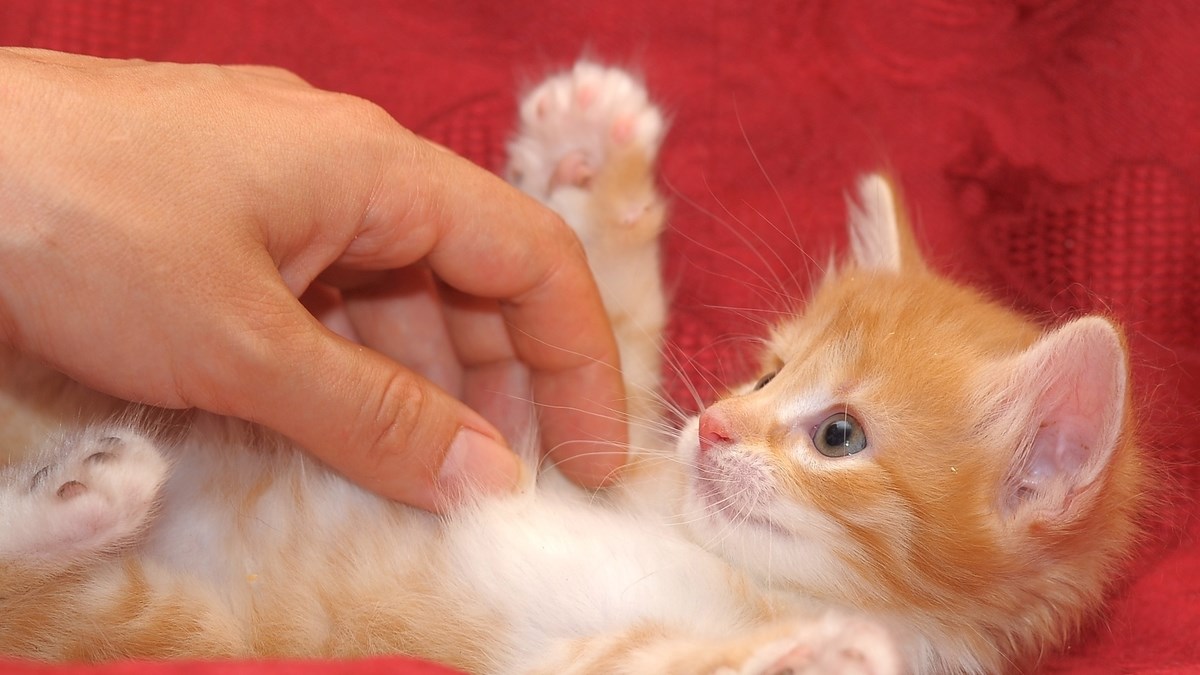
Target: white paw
x,y
87,494
834,644
573,122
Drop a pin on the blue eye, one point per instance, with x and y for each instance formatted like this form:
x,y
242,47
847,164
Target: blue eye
x,y
839,435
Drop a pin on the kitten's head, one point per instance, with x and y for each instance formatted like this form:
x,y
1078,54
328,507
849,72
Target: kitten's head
x,y
914,449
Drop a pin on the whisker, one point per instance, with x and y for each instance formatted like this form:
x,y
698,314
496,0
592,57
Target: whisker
x,y
767,291
741,232
787,214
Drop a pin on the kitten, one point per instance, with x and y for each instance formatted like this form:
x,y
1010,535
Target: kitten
x,y
919,481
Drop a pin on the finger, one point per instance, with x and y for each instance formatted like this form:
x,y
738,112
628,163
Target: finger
x,y
327,306
496,384
379,424
484,238
399,316
501,392
476,328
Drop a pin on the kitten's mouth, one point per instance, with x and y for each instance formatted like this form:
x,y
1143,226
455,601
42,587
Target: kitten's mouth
x,y
729,498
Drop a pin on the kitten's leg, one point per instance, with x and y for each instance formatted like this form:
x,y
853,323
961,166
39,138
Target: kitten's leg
x,y
831,644
83,496
586,146
61,597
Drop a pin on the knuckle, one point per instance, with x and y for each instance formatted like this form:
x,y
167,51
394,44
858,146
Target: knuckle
x,y
564,239
574,249
280,73
363,114
573,263
393,421
234,352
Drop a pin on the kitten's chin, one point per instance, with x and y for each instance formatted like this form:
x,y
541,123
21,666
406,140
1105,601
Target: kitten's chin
x,y
778,556
719,500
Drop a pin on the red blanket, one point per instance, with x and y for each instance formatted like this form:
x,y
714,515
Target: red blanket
x,y
1050,151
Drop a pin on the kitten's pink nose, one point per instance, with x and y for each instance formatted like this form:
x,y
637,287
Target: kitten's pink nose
x,y
715,430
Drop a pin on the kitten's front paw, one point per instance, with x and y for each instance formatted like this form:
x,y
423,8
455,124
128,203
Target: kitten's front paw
x,y
87,494
571,125
832,644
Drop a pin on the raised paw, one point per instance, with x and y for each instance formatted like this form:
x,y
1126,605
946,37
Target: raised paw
x,y
586,147
572,124
83,495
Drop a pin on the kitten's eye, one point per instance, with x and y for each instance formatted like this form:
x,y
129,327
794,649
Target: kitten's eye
x,y
839,435
764,381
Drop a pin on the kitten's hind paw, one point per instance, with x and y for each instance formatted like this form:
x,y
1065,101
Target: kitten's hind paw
x,y
832,644
572,123
85,495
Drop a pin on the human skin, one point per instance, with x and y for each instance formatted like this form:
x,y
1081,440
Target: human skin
x,y
162,222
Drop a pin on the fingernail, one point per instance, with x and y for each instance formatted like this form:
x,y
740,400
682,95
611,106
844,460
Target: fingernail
x,y
475,464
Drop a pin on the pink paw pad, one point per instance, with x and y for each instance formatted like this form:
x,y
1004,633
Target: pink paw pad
x,y
622,130
574,168
585,97
792,662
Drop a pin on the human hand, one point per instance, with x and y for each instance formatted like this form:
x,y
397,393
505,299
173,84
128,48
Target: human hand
x,y
161,220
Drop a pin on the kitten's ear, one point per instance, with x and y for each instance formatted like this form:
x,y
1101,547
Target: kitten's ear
x,y
1066,396
880,237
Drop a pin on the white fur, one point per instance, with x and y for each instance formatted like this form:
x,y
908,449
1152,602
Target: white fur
x,y
567,555
82,494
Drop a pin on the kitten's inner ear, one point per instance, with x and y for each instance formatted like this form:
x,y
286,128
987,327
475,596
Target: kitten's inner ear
x,y
880,238
1070,390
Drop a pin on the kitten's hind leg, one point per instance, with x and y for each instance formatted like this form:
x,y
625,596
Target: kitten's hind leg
x,y
84,495
830,644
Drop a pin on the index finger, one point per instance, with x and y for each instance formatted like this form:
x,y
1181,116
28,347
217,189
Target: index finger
x,y
485,238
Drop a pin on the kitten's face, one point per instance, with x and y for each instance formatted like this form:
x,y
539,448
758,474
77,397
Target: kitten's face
x,y
911,447
828,471
887,457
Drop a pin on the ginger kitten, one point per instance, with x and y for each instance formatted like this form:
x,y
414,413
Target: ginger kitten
x,y
919,481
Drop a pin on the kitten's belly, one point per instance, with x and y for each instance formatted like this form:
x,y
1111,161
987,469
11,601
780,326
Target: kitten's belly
x,y
243,519
559,566
549,565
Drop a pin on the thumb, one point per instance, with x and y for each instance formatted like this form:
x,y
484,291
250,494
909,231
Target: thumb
x,y
380,425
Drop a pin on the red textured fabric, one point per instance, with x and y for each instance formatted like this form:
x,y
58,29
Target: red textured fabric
x,y
1049,149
